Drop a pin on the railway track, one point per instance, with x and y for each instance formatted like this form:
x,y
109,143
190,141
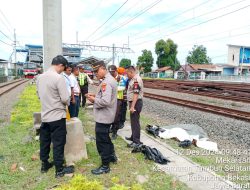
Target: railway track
x,y
226,91
6,87
203,107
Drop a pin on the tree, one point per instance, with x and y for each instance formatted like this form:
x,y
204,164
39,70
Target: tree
x,y
145,61
166,52
125,63
198,55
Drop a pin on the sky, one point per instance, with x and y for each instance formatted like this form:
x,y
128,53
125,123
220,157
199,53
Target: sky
x,y
139,23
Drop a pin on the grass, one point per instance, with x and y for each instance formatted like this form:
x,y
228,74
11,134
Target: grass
x,y
18,147
206,158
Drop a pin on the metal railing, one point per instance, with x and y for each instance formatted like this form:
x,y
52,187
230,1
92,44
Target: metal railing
x,y
233,78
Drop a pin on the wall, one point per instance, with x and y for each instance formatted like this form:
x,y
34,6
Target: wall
x,y
228,71
233,55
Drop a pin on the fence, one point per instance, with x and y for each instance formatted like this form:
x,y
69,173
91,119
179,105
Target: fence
x,y
9,74
233,78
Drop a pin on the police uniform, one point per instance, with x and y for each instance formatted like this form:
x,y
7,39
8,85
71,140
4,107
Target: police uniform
x,y
135,86
104,114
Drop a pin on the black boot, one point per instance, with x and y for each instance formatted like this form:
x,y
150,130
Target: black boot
x,y
101,170
46,166
113,158
129,138
61,171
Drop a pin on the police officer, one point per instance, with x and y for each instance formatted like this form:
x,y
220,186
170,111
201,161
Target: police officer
x,y
134,96
104,113
54,96
121,82
84,80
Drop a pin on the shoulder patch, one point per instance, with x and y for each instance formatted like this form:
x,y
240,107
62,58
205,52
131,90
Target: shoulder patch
x,y
104,86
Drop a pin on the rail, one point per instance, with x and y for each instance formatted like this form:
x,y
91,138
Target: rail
x,y
242,115
239,92
6,87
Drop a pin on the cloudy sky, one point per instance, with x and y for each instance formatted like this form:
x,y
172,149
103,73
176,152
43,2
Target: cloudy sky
x,y
141,23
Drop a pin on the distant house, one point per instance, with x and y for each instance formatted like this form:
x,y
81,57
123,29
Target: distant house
x,y
198,71
164,72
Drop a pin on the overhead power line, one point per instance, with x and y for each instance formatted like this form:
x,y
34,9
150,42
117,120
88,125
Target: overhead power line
x,y
207,13
189,27
7,21
216,39
175,16
5,43
125,13
130,20
6,36
108,19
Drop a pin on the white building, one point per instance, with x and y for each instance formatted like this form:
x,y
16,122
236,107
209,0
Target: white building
x,y
238,60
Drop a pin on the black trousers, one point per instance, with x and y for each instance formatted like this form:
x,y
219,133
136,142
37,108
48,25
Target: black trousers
x,y
104,144
135,121
116,124
123,112
54,132
84,90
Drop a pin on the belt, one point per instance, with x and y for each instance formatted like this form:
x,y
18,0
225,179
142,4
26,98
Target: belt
x,y
76,94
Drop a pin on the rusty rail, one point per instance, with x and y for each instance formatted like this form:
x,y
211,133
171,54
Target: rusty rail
x,y
227,91
6,87
203,107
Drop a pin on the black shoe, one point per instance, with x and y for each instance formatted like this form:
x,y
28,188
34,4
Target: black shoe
x,y
114,136
46,166
101,170
134,145
113,159
129,138
60,172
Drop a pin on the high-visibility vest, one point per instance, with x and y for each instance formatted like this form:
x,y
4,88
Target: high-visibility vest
x,y
121,87
82,79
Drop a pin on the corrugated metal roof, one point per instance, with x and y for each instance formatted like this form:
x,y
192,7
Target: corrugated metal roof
x,y
163,69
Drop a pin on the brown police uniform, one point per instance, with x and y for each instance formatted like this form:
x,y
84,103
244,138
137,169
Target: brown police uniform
x,y
135,86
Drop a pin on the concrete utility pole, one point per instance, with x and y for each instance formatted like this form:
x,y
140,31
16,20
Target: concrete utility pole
x,y
52,31
242,59
14,49
113,54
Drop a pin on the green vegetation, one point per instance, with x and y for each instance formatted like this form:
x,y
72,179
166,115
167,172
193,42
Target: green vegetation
x,y
125,63
198,55
166,52
145,61
20,165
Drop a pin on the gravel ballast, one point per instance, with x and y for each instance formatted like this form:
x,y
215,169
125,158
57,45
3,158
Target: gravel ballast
x,y
7,101
202,99
226,132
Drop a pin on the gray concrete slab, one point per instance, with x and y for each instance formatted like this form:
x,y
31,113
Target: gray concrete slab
x,y
196,177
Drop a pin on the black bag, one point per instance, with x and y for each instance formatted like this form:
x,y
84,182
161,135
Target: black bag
x,y
154,154
185,144
153,130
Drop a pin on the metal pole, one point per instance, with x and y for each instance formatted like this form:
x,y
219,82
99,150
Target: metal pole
x,y
113,61
76,37
15,52
242,59
52,31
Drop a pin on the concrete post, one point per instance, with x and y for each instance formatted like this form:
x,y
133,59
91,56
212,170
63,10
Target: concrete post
x,y
52,31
